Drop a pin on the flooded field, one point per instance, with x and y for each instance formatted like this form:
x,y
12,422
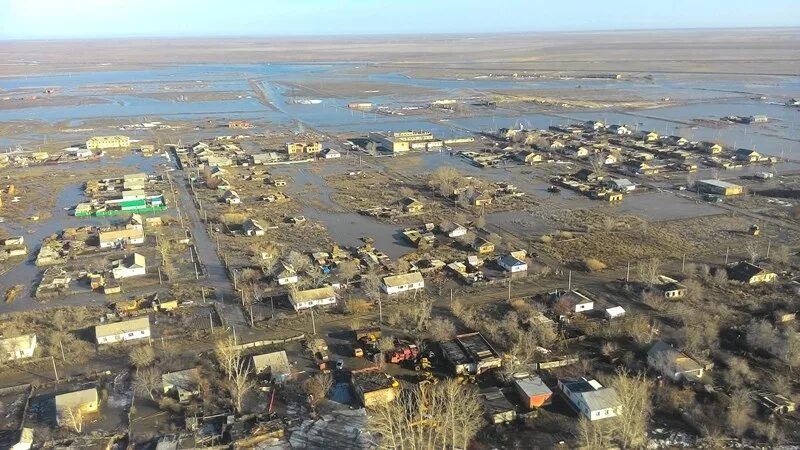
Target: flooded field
x,y
157,94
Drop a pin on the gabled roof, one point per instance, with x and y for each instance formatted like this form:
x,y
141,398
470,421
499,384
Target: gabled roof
x,y
402,279
600,399
126,326
15,344
135,260
313,294
75,399
743,271
182,379
277,362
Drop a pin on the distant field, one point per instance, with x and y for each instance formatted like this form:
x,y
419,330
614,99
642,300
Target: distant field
x,y
736,51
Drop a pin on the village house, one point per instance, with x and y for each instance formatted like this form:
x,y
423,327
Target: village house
x,y
529,157
747,155
265,158
481,199
532,391
670,287
182,384
252,227
104,142
590,398
411,205
575,300
482,246
332,153
286,274
312,297
719,187
621,130
14,241
231,197
452,229
71,406
121,238
19,347
396,284
496,406
649,136
132,265
620,184
673,364
594,125
746,272
293,148
126,330
710,147
274,364
512,264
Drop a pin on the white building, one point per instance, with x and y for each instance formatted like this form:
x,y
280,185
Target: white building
x,y
512,264
252,227
453,230
118,238
396,284
286,274
19,347
126,330
231,198
589,397
621,184
332,153
312,297
614,312
132,266
578,302
672,363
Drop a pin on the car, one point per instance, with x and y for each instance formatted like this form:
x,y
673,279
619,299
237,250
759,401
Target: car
x,y
339,364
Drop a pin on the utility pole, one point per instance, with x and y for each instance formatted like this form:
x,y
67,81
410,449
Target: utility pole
x,y
211,322
509,289
272,305
203,293
160,281
380,310
569,282
55,371
769,245
313,324
60,344
683,264
727,252
451,298
628,273
252,324
234,334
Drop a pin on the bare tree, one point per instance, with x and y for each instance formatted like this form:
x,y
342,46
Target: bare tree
x,y
649,270
635,392
447,415
441,329
317,387
146,381
142,357
228,355
240,383
752,250
72,417
780,254
349,269
299,261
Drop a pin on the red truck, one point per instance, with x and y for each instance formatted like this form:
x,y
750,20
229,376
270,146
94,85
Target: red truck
x,y
402,353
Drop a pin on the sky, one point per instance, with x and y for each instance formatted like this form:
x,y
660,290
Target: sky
x,y
57,19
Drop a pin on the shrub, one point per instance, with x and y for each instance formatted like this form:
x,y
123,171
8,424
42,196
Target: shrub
x,y
594,265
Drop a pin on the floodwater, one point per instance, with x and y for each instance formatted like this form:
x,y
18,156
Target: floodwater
x,y
710,98
35,232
